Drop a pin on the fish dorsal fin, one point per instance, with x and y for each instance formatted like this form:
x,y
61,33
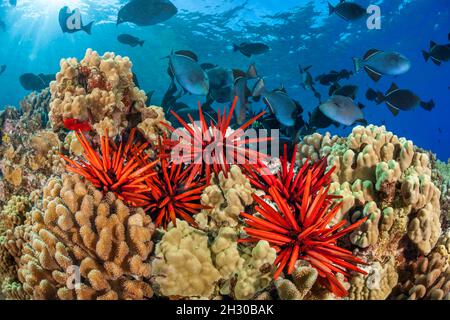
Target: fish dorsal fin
x,y
392,89
237,73
269,106
375,76
281,88
188,54
371,53
251,71
432,44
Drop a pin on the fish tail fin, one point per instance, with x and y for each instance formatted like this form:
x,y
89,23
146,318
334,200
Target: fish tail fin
x,y
88,28
141,43
357,62
426,55
371,94
258,88
331,9
235,47
428,105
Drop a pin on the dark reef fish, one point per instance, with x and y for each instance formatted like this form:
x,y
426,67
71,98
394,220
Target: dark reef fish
x,y
377,63
225,84
333,77
343,110
248,49
221,82
71,22
285,109
30,81
320,121
347,91
398,99
184,67
306,80
348,11
2,68
146,12
242,91
438,53
130,40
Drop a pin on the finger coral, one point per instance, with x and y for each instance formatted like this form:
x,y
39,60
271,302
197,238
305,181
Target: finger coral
x,y
87,246
98,90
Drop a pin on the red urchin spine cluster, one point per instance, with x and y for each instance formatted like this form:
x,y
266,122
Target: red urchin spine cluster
x,y
174,195
115,169
231,148
298,227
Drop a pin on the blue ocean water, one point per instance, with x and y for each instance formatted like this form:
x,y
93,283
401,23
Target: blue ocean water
x,y
297,31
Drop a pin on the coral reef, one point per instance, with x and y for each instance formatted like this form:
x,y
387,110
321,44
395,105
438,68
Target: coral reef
x,y
226,197
183,265
86,246
99,91
388,180
29,152
90,185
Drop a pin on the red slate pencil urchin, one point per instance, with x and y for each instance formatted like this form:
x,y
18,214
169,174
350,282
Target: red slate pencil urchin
x,y
304,233
115,169
201,143
173,194
289,182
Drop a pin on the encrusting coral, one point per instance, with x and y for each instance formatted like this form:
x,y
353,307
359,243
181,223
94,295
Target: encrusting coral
x,y
86,245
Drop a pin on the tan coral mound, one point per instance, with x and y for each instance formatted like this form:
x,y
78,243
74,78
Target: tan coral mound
x,y
389,180
100,90
86,246
227,196
183,266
